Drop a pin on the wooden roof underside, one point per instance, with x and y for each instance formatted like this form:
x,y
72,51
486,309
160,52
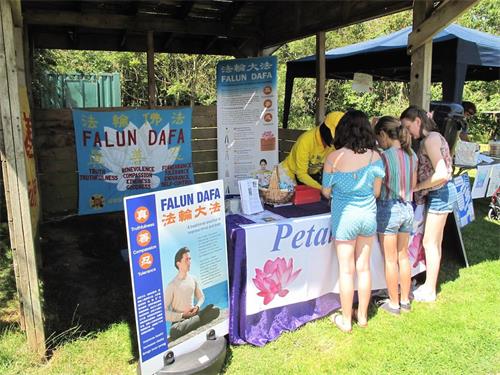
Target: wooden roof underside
x,y
219,27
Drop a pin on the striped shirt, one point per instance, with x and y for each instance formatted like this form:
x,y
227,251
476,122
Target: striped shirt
x,y
399,169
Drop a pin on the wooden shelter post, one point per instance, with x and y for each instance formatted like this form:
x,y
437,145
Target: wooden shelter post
x,y
320,77
21,191
151,69
428,21
421,60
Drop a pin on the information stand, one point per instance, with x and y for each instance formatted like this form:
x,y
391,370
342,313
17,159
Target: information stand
x,y
178,263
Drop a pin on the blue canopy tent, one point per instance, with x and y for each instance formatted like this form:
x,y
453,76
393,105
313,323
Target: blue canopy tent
x,y
459,54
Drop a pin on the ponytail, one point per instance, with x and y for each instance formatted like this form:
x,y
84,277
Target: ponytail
x,y
404,137
395,131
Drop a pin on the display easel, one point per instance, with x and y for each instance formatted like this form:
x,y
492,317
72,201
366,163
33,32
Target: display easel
x,y
453,244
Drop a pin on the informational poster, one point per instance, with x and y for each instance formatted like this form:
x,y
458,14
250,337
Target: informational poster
x,y
178,262
127,152
293,261
464,210
494,180
247,120
481,181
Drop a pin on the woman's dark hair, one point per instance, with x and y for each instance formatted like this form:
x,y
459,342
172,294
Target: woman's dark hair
x,y
326,134
469,107
394,130
354,132
412,112
263,160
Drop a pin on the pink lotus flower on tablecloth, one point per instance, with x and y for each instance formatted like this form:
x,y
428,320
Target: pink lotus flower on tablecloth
x,y
274,277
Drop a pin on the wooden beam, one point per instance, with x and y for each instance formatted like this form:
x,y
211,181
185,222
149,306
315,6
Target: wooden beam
x,y
151,69
17,15
320,77
140,23
231,11
421,60
210,43
124,39
23,233
135,43
169,39
184,9
305,18
445,14
270,50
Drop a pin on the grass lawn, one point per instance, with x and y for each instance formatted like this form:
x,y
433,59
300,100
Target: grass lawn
x,y
459,334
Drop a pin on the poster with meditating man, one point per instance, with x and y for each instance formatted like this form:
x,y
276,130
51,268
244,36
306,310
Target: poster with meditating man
x,y
178,265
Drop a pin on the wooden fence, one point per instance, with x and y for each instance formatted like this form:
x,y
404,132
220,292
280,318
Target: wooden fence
x,y
54,140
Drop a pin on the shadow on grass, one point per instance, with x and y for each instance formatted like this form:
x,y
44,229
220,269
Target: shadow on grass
x,y
86,283
228,359
9,315
480,239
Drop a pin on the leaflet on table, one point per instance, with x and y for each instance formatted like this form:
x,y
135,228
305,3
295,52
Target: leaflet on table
x,y
247,120
485,159
494,180
481,181
249,195
293,261
130,151
264,217
178,262
464,210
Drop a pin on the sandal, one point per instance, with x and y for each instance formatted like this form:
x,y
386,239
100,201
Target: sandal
x,y
340,323
355,318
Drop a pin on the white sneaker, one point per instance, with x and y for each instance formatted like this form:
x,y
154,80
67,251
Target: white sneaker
x,y
422,295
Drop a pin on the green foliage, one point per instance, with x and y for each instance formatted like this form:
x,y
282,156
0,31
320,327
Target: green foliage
x,y
180,79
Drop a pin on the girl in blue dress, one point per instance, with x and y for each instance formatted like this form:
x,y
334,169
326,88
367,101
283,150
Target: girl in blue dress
x,y
352,178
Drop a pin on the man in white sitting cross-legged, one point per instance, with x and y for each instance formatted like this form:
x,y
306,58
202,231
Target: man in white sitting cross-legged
x,y
179,299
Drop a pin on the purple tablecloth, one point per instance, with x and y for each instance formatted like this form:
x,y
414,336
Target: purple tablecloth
x,y
258,329
321,207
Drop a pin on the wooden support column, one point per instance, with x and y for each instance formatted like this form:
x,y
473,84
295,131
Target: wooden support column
x,y
441,17
320,77
421,59
151,70
426,23
18,186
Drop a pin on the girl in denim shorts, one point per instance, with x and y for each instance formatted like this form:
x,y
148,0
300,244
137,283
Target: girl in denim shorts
x,y
434,174
352,177
395,211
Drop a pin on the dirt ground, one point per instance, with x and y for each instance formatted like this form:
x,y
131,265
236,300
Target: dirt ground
x,y
86,282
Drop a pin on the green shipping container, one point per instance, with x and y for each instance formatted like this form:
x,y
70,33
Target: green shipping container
x,y
81,90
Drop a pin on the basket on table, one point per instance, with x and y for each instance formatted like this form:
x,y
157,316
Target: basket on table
x,y
273,194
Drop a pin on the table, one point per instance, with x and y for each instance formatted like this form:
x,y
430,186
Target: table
x,y
249,323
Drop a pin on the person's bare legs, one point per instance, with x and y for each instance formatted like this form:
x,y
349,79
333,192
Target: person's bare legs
x,y
432,241
362,254
345,255
404,266
389,246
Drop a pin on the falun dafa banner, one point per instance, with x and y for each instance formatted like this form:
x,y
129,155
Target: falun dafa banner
x,y
129,152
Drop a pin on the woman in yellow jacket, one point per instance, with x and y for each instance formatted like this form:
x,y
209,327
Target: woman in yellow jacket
x,y
304,164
